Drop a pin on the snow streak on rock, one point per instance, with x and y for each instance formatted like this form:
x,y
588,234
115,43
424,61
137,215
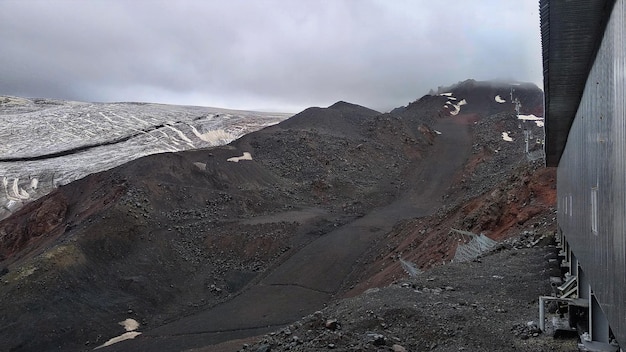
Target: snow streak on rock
x,y
130,325
538,120
236,159
454,108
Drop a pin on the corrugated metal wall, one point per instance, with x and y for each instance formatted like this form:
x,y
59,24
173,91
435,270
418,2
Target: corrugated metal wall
x,y
592,177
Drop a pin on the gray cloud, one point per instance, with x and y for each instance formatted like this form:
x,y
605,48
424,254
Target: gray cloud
x,y
269,54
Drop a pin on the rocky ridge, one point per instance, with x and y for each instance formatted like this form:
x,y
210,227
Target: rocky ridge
x,y
171,235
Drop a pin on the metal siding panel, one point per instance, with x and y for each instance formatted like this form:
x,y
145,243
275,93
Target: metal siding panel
x,y
570,33
618,209
595,156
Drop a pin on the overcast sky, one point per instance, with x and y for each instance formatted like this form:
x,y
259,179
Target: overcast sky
x,y
281,55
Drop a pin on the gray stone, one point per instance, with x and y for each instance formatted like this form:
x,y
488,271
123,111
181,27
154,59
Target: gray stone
x,y
398,348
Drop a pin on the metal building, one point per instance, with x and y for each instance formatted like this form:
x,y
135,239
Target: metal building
x,y
584,60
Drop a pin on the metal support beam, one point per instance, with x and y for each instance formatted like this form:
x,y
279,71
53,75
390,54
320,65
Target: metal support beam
x,y
544,299
598,324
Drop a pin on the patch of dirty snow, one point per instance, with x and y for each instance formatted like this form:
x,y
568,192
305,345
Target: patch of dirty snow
x,y
457,107
446,94
201,166
216,137
499,99
130,325
125,336
506,137
245,156
530,117
538,120
437,132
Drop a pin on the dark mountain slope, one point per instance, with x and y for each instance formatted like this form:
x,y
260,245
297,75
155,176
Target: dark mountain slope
x,y
340,118
481,96
166,234
166,238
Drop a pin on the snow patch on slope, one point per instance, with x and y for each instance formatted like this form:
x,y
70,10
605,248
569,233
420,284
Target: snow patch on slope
x,y
538,120
245,156
130,325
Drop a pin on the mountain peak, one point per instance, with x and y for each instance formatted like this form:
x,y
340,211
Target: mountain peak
x,y
349,107
342,104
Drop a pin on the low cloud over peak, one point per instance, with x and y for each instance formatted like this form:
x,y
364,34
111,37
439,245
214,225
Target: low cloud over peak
x,y
271,55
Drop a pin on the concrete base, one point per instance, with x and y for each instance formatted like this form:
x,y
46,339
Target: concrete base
x,y
594,346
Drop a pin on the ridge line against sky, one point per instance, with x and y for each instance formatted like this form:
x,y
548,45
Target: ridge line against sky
x,y
272,55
